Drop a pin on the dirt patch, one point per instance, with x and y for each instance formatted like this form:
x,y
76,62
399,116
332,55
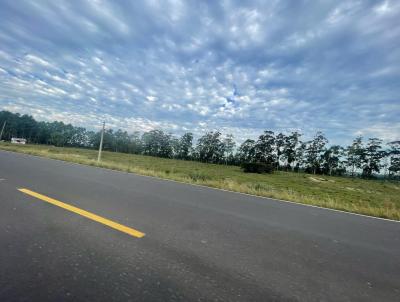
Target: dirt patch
x,y
317,179
361,190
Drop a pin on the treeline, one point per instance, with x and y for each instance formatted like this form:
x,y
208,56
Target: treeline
x,y
274,151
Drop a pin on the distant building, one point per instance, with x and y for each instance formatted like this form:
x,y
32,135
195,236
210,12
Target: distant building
x,y
16,140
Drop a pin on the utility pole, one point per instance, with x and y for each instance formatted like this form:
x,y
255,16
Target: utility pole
x,y
101,142
2,129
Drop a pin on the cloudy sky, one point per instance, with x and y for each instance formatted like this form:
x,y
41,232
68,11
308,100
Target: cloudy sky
x,y
235,66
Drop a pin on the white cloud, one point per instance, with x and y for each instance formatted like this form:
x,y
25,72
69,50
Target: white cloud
x,y
151,98
37,60
229,65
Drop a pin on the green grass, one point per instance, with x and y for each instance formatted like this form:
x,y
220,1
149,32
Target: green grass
x,y
378,198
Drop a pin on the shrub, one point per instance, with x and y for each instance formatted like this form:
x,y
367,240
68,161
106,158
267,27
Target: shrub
x,y
257,168
198,176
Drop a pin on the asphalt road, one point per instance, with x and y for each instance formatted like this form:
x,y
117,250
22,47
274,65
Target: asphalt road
x,y
200,245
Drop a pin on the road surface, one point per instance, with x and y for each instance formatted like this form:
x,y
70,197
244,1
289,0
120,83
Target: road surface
x,y
200,244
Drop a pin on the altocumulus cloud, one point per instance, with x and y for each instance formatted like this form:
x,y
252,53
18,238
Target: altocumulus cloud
x,y
236,66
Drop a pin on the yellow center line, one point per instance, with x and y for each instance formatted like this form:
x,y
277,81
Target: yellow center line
x,y
105,221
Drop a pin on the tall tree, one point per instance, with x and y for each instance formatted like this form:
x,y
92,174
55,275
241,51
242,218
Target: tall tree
x,y
265,148
157,143
280,142
372,157
228,146
185,146
292,141
121,141
332,160
394,155
355,154
210,147
247,151
300,156
135,143
314,151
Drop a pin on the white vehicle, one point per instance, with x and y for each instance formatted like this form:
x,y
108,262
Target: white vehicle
x,y
16,140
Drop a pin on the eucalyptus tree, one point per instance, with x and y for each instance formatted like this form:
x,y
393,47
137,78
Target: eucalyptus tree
x,y
371,159
121,141
79,137
175,146
394,155
60,133
300,154
265,148
292,142
247,151
185,146
314,151
157,143
228,146
332,160
135,144
280,142
355,154
210,147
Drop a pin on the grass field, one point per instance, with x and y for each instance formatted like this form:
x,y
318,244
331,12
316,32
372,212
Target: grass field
x,y
371,197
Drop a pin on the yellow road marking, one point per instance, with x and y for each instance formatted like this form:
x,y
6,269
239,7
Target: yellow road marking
x,y
84,213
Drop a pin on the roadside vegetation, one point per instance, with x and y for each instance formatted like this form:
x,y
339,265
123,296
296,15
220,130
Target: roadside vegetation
x,y
270,152
378,198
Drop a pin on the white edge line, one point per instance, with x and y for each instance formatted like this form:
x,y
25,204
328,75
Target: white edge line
x,y
207,187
